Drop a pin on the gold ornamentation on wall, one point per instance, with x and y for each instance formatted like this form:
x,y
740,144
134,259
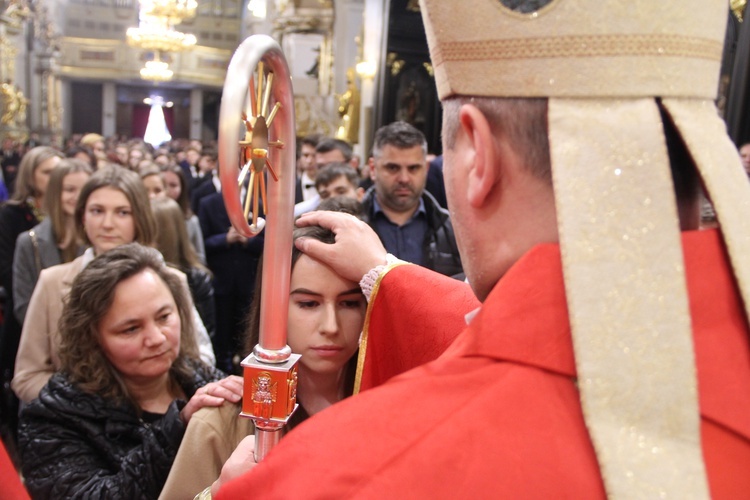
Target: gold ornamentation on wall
x,y
54,107
43,99
738,8
348,129
311,118
14,106
16,12
7,60
393,62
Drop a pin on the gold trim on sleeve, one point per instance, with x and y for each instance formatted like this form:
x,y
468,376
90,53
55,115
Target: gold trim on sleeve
x,y
366,327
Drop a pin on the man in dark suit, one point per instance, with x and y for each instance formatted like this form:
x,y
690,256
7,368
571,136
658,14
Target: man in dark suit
x,y
202,190
207,183
190,166
306,167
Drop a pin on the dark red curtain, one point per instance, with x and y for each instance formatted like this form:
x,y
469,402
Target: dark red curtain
x,y
140,119
169,118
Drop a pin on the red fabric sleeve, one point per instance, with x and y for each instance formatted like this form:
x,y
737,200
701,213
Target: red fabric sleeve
x,y
391,345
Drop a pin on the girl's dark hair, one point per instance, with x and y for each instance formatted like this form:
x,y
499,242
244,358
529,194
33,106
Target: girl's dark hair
x,y
89,300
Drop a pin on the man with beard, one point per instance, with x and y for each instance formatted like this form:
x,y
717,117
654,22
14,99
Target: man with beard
x,y
408,220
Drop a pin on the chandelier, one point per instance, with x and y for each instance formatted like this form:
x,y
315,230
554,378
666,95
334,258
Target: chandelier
x,y
156,70
155,33
176,11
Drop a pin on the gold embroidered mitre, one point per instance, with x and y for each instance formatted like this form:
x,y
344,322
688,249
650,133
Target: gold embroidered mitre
x,y
576,48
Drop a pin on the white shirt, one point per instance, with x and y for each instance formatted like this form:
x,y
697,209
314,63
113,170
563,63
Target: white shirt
x,y
308,187
216,181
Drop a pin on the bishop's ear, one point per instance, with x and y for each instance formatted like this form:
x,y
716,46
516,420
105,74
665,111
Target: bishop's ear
x,y
478,138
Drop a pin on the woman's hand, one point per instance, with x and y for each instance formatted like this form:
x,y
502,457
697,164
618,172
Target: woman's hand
x,y
213,394
240,462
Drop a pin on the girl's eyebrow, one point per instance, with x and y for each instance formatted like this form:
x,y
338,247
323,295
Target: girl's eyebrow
x,y
306,291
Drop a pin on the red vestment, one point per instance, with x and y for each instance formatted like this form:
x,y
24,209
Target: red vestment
x,y
10,483
498,414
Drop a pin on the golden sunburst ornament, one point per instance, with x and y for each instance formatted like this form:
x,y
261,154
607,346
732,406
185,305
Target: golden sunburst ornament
x,y
254,148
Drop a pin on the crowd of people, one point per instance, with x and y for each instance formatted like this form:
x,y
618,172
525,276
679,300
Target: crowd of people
x,y
76,216
568,329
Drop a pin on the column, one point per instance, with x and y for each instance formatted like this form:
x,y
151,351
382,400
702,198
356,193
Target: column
x,y
66,103
109,109
196,114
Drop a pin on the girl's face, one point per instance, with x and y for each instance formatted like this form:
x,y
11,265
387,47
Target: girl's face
x,y
71,188
172,184
108,219
154,186
135,157
41,174
326,314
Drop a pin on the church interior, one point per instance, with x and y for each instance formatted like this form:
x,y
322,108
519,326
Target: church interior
x,y
156,71
78,66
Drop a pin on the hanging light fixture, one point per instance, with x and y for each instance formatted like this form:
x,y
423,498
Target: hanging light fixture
x,y
257,8
152,35
156,70
176,11
156,33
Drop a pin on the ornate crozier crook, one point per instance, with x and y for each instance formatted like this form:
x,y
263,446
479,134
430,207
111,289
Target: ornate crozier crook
x,y
258,106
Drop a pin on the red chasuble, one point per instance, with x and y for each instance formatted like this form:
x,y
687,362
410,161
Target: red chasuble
x,y
498,415
10,483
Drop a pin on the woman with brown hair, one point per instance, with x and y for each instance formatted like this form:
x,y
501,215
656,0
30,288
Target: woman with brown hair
x,y
177,189
55,240
173,243
112,210
110,422
21,213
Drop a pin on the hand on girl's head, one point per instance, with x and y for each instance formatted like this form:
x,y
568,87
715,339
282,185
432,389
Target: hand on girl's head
x,y
214,394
